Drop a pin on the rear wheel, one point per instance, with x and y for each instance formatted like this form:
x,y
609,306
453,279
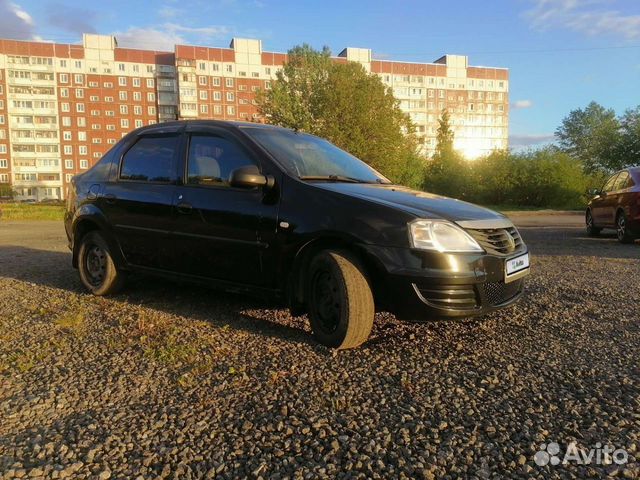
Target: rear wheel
x,y
339,300
591,229
98,271
624,236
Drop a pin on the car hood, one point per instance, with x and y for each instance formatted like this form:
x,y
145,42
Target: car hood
x,y
421,204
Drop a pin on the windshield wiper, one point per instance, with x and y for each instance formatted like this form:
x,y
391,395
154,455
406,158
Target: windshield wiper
x,y
334,178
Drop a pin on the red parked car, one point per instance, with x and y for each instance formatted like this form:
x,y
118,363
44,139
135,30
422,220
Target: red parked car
x,y
617,205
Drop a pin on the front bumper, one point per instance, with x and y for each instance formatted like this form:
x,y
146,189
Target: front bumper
x,y
418,286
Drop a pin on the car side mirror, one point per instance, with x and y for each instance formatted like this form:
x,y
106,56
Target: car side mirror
x,y
594,191
250,177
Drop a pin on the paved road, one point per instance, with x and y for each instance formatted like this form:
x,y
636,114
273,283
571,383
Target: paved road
x,y
175,381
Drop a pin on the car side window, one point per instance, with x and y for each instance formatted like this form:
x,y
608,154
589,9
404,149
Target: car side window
x,y
621,181
608,187
212,159
151,159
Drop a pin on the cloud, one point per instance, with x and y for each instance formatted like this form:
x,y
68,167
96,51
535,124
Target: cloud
x,y
591,17
516,140
148,39
15,22
167,35
518,104
76,20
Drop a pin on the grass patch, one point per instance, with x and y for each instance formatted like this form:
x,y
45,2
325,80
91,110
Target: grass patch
x,y
26,211
72,322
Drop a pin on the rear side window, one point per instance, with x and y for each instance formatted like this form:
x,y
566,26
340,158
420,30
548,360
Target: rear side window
x,y
212,159
151,159
622,181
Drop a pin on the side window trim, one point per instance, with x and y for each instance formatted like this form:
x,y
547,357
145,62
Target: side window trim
x,y
134,142
219,133
610,181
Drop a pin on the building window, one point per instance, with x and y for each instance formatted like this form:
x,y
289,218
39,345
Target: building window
x,y
68,150
267,85
64,78
230,97
151,110
84,164
137,110
136,82
82,149
150,83
124,123
124,109
80,107
203,95
229,82
66,136
122,95
217,109
215,67
215,81
3,163
217,96
204,109
68,164
137,96
78,78
151,97
231,110
64,106
267,71
229,68
202,80
138,123
82,136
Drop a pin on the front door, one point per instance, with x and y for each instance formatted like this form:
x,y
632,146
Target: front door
x,y
218,227
602,205
138,202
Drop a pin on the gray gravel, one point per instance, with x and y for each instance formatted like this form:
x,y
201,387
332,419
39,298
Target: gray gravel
x,y
174,381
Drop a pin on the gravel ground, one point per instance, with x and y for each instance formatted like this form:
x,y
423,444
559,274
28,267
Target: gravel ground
x,y
173,381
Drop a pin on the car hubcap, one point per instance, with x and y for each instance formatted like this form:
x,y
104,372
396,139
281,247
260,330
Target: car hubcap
x,y
589,221
326,301
621,227
96,265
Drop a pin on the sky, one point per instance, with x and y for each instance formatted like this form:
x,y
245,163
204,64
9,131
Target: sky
x,y
561,54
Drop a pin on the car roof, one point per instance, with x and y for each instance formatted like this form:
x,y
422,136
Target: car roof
x,y
228,124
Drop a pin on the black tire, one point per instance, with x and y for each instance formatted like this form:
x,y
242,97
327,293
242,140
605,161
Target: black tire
x,y
623,233
591,229
98,271
339,300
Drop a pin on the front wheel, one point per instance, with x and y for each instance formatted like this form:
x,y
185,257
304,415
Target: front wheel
x,y
624,236
591,229
339,300
98,271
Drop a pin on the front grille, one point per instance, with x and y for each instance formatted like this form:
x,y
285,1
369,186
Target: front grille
x,y
498,241
457,297
499,292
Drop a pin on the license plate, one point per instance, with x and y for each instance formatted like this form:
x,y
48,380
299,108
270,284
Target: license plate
x,y
515,265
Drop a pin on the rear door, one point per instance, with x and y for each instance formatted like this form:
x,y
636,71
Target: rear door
x,y
220,230
602,205
138,202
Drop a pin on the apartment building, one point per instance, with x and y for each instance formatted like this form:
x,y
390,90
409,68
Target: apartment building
x,y
62,106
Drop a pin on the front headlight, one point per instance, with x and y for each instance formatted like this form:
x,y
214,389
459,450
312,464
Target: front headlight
x,y
441,236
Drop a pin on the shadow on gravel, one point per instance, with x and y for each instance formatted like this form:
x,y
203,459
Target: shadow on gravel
x,y
53,269
575,242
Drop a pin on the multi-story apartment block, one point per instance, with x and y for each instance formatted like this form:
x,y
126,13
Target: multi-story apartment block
x,y
62,106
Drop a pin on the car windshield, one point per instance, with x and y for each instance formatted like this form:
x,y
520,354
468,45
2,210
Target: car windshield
x,y
312,158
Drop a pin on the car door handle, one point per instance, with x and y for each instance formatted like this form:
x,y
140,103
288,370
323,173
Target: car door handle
x,y
184,208
110,198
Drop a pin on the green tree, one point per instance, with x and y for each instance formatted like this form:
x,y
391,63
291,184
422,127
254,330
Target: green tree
x,y
592,135
447,171
6,191
347,105
630,141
